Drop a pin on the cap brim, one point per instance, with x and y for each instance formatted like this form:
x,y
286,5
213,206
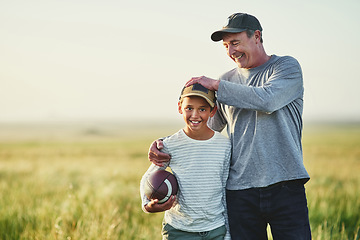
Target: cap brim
x,y
218,35
212,104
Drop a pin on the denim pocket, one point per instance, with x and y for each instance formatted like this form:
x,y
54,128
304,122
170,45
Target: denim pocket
x,y
165,229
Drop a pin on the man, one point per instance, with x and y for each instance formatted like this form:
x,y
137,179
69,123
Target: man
x,y
261,103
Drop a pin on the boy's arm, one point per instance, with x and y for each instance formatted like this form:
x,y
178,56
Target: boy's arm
x,y
152,206
144,199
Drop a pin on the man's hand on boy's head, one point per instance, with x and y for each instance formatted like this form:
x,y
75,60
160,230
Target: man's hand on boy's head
x,y
156,156
153,206
209,83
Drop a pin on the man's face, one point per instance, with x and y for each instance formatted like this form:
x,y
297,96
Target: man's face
x,y
241,49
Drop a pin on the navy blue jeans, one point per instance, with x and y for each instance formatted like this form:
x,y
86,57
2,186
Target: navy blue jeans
x,y
283,206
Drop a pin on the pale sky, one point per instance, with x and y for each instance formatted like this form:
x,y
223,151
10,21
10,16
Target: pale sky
x,y
64,60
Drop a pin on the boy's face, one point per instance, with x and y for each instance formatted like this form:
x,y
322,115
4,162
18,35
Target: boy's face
x,y
196,112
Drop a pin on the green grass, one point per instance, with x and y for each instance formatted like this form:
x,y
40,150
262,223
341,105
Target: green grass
x,y
85,185
332,157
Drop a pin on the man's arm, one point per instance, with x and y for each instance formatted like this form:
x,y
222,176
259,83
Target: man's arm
x,y
283,86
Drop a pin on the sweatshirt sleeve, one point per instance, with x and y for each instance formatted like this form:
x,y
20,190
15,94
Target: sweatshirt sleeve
x,y
218,121
283,84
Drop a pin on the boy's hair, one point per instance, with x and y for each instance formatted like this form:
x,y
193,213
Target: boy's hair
x,y
200,91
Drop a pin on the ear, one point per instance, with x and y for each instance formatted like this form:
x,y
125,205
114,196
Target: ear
x,y
213,111
179,108
257,35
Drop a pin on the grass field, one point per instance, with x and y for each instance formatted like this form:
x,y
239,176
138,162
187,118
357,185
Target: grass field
x,y
82,182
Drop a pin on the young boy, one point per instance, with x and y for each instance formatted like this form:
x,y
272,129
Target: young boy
x,y
200,161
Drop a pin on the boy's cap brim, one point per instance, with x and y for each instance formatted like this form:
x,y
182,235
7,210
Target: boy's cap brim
x,y
200,91
212,104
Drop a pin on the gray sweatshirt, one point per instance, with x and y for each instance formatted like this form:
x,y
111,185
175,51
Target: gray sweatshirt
x,y
262,110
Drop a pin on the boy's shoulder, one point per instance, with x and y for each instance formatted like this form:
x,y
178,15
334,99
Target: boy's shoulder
x,y
174,137
179,138
181,135
222,141
221,136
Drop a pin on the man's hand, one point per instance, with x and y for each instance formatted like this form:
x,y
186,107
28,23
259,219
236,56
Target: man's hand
x,y
209,83
154,206
157,157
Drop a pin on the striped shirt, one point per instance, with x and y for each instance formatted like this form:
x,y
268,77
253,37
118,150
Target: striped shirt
x,y
201,168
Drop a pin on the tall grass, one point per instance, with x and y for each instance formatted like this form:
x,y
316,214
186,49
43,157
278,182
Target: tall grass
x,y
86,186
74,190
332,157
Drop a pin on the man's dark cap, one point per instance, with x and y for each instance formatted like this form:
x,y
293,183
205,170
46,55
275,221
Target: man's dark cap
x,y
238,22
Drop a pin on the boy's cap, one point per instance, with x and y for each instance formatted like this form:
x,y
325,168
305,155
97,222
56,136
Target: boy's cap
x,y
238,22
200,91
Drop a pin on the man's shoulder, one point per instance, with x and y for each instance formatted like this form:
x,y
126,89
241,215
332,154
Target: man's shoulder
x,y
284,60
286,64
228,74
275,60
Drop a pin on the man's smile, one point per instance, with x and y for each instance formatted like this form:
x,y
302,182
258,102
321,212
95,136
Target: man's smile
x,y
240,56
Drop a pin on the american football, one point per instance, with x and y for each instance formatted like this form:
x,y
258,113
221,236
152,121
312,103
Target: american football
x,y
161,185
